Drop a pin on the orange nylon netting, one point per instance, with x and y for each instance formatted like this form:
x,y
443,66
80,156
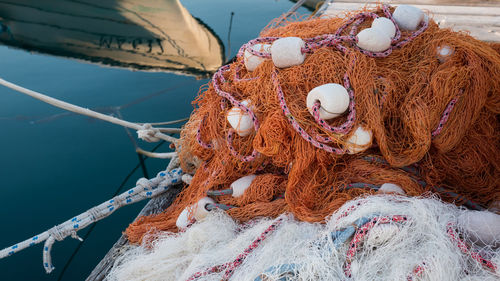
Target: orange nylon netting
x,y
400,98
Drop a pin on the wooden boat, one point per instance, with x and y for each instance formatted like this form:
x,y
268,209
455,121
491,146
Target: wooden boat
x,y
142,35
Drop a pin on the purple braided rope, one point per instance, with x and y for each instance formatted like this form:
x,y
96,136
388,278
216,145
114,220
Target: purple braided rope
x,y
248,46
355,25
325,40
387,13
414,35
248,158
347,126
219,76
360,16
446,115
198,137
237,77
329,40
322,139
295,124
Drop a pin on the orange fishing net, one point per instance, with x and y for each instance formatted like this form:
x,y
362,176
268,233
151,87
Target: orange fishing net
x,y
401,98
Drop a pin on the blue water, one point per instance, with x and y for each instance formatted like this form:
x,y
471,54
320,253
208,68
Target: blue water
x,y
54,167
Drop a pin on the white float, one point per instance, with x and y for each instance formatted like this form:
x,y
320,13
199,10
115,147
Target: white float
x,y
200,208
240,121
408,17
444,52
287,52
391,188
183,221
333,98
252,61
482,226
385,26
240,185
373,40
359,141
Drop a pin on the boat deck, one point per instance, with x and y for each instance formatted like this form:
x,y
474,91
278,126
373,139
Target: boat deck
x,y
480,18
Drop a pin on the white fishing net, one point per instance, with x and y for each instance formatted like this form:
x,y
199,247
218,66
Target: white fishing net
x,y
417,249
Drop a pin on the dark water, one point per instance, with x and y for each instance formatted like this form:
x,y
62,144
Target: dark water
x,y
55,165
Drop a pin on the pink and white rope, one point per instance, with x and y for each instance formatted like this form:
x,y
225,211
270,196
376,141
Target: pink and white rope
x,y
295,124
450,229
346,127
360,235
229,267
446,115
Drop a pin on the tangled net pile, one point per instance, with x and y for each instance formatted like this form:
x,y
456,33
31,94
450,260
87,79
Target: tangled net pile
x,y
418,247
435,124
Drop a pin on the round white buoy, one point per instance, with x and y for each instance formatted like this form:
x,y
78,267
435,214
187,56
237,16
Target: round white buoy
x,y
287,51
385,26
482,226
373,40
240,121
183,221
381,234
240,185
359,141
200,211
391,188
251,60
408,17
333,98
444,52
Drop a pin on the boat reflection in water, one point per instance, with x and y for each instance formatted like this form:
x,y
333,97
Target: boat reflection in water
x,y
151,35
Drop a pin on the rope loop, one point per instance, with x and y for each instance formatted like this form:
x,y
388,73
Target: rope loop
x,y
145,184
148,133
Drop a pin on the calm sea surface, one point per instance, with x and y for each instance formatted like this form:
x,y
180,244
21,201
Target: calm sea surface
x,y
55,165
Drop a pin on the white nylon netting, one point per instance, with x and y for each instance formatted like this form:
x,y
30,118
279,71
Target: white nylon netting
x,y
389,252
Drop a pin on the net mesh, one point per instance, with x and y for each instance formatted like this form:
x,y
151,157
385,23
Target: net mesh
x,y
400,98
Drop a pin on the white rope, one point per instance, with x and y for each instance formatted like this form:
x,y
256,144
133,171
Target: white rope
x,y
144,189
166,155
187,179
170,130
174,162
144,131
169,122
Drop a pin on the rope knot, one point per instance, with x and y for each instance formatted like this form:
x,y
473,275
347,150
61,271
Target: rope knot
x,y
145,184
58,232
148,133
